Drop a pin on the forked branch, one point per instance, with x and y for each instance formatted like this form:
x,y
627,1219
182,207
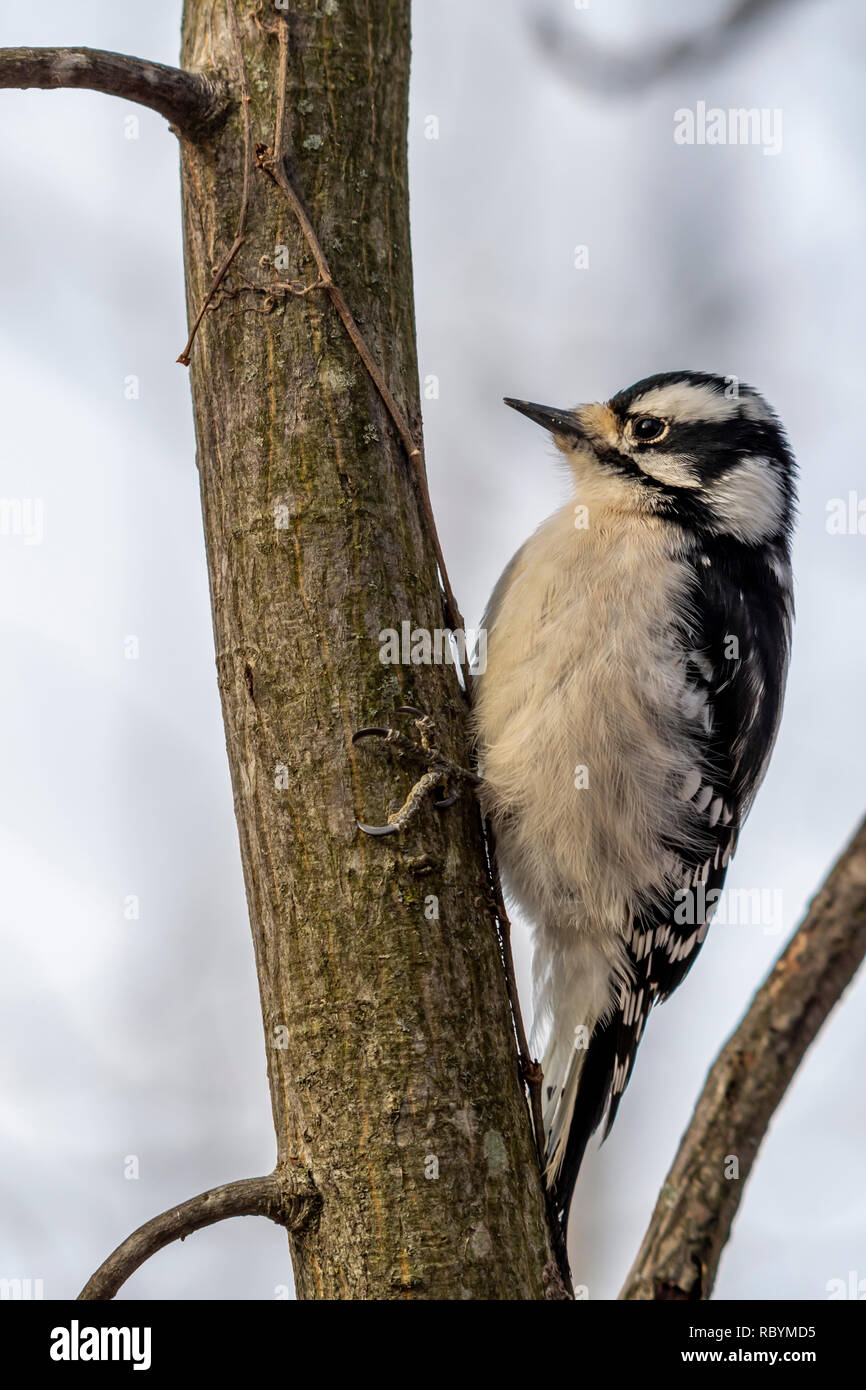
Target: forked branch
x,y
268,1196
188,100
697,1204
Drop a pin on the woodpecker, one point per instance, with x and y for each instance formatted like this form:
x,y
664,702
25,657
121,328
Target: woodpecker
x,y
637,652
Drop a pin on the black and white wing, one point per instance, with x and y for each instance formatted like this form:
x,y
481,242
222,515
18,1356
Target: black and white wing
x,y
736,647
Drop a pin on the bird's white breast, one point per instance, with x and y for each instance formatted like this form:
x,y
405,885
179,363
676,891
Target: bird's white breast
x,y
583,720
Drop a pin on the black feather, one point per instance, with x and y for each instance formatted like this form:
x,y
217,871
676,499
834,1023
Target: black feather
x,y
737,594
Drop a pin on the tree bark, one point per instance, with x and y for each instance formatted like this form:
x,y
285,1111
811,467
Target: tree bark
x,y
391,1059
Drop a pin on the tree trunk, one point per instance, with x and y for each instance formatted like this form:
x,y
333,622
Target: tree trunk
x,y
392,1067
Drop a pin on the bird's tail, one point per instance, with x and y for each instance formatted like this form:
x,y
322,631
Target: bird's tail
x,y
578,978
577,1084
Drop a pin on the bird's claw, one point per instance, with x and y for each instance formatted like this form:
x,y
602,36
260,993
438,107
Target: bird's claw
x,y
439,770
378,829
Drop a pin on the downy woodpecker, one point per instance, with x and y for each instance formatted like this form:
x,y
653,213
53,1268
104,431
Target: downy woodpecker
x,y
637,650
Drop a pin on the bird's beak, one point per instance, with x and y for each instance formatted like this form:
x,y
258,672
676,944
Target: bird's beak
x,y
564,422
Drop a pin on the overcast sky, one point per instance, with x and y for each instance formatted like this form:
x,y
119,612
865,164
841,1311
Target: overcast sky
x,y
132,1044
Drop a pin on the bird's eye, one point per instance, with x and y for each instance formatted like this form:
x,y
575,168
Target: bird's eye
x,y
646,428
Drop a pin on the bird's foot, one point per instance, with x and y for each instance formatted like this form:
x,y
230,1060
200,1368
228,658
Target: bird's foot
x,y
441,773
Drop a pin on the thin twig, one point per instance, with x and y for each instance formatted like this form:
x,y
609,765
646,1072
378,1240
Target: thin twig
x,y
299,290
697,1204
274,164
240,234
266,1196
188,100
530,1070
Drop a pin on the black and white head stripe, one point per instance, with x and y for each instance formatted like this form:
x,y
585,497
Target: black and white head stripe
x,y
722,462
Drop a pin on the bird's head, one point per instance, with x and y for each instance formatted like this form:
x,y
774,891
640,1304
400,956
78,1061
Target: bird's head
x,y
703,450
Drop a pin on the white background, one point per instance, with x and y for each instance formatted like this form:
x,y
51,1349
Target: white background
x,y
143,1038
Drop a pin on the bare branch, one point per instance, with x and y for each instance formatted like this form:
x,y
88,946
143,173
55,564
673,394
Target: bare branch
x,y
588,65
701,1194
268,1196
188,100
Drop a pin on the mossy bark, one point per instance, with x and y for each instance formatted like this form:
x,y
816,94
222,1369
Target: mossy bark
x,y
391,1060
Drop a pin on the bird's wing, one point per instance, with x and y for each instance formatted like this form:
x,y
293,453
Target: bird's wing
x,y
736,668
736,665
